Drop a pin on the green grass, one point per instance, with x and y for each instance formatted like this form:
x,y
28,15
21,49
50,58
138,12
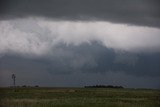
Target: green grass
x,y
78,97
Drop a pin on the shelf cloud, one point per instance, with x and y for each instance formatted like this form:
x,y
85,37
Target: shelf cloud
x,y
79,41
38,36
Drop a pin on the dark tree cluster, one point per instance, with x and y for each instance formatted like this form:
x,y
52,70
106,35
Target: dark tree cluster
x,y
103,86
29,86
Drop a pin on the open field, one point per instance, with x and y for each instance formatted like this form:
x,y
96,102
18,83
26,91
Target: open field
x,y
78,97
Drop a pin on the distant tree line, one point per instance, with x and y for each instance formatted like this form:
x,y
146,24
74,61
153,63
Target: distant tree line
x,y
25,86
103,86
30,86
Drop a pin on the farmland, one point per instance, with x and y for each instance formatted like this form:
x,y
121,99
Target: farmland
x,y
78,97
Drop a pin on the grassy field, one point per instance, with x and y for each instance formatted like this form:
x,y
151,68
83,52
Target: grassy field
x,y
78,97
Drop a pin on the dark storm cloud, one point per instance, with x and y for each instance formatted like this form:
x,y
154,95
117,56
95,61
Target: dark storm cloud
x,y
139,12
85,58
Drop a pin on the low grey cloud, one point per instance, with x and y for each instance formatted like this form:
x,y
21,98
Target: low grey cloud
x,y
85,64
126,58
86,58
136,12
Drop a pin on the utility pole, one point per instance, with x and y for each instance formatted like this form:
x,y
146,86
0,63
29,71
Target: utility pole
x,y
14,79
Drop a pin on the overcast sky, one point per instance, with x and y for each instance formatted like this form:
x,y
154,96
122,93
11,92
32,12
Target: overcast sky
x,y
80,42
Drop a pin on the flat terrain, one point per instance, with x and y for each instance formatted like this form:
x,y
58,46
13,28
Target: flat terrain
x,y
78,97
